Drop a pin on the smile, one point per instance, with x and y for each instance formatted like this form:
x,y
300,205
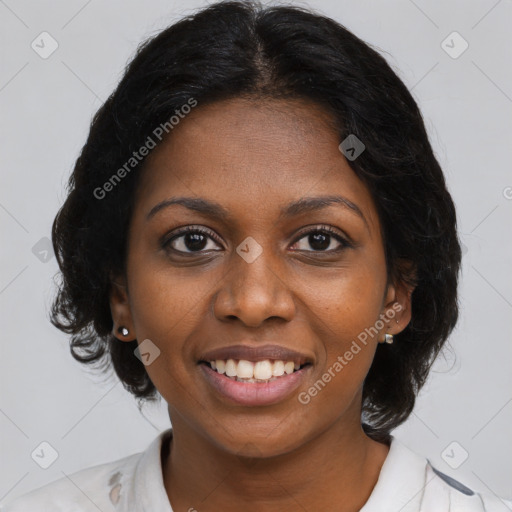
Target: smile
x,y
257,371
251,383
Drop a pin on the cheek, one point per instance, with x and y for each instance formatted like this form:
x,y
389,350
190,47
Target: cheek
x,y
348,349
165,301
165,309
347,303
343,315
166,314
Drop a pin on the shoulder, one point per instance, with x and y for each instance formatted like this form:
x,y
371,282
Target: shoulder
x,y
91,489
410,483
459,497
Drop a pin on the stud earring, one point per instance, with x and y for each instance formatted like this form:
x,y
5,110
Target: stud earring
x,y
388,338
123,330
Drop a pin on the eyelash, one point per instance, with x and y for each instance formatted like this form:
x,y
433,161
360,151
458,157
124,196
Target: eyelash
x,y
317,229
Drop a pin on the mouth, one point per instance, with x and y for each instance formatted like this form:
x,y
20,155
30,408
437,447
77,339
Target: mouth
x,y
254,371
261,372
254,376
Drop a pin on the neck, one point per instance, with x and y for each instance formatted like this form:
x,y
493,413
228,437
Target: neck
x,y
339,467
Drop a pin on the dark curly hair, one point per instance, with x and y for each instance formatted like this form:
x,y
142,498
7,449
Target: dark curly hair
x,y
242,49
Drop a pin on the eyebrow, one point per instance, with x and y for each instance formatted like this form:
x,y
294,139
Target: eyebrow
x,y
301,206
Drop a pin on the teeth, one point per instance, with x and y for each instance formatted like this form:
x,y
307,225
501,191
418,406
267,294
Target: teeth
x,y
245,369
221,366
278,369
248,371
263,370
289,367
231,368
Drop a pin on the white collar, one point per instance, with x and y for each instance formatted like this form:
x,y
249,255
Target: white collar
x,y
400,485
401,482
147,490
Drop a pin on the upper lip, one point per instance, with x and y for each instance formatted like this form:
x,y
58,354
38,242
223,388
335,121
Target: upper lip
x,y
256,353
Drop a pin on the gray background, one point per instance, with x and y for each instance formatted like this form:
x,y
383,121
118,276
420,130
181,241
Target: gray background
x,y
47,105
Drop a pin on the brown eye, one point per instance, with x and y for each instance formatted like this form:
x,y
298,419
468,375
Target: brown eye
x,y
191,240
323,239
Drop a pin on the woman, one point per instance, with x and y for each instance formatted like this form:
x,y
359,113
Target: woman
x,y
258,231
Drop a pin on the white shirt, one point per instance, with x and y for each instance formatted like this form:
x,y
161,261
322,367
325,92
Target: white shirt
x,y
406,483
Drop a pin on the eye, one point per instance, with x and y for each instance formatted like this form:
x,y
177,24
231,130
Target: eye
x,y
322,238
195,239
190,240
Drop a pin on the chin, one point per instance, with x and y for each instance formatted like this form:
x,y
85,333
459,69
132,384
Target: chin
x,y
266,438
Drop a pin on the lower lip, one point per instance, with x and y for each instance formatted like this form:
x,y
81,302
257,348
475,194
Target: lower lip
x,y
254,393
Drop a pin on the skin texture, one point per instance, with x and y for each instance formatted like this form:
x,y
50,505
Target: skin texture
x,y
255,157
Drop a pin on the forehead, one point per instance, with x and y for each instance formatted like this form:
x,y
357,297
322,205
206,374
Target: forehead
x,y
254,154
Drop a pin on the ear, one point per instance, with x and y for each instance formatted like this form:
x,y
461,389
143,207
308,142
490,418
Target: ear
x,y
397,303
120,308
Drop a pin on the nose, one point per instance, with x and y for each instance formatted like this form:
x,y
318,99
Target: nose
x,y
253,292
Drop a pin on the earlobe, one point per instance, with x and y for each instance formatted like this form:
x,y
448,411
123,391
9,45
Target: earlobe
x,y
120,310
123,331
398,301
399,309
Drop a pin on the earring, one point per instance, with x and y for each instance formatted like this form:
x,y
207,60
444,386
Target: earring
x,y
123,330
388,338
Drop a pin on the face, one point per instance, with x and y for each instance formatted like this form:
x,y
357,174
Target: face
x,y
280,275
